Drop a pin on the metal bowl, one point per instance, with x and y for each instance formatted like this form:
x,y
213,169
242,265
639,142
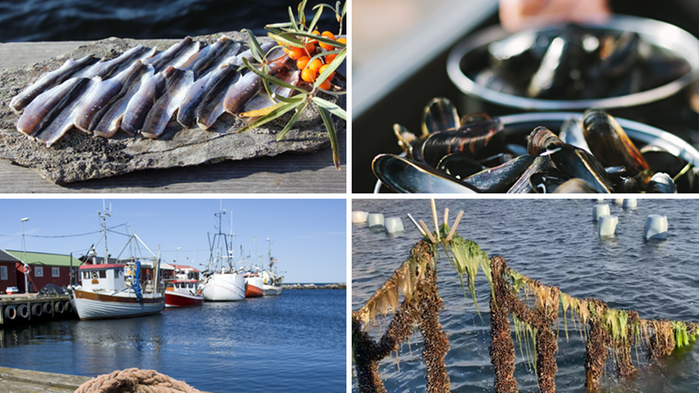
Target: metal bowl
x,y
467,53
517,127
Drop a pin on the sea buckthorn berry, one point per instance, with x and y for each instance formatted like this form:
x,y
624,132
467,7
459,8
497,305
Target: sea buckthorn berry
x,y
326,85
329,58
315,32
315,65
296,53
302,62
325,46
321,69
310,46
308,75
342,40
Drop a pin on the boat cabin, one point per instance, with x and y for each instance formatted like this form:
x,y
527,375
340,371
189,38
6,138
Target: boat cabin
x,y
184,285
104,277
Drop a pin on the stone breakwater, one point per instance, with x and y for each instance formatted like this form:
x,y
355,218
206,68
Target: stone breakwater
x,y
314,286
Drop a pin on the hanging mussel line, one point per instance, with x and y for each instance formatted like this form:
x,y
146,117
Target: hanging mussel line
x,y
592,153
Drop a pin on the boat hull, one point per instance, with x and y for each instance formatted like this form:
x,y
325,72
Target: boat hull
x,y
90,305
179,299
272,290
224,288
254,287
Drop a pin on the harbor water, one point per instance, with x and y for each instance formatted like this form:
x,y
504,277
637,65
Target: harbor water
x,y
292,342
557,243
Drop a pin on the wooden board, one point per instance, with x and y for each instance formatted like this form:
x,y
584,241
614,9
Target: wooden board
x,y
287,173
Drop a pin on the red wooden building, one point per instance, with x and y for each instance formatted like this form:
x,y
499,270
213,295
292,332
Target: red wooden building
x,y
8,271
44,268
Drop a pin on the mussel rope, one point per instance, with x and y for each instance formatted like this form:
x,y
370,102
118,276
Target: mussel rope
x,y
134,380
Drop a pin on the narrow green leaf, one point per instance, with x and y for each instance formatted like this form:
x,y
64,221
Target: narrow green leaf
x,y
331,67
344,9
330,126
294,119
270,78
293,20
316,18
330,107
302,13
255,47
285,39
319,38
274,25
278,111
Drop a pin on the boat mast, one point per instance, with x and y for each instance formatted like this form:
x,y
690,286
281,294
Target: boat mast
x,y
103,214
271,262
215,242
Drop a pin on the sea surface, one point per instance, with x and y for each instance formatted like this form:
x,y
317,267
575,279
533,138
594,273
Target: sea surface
x,y
556,242
292,342
63,20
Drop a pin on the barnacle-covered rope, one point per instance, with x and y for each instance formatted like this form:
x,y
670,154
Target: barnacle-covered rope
x,y
134,380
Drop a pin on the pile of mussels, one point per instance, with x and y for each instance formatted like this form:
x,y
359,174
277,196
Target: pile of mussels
x,y
140,91
577,63
592,154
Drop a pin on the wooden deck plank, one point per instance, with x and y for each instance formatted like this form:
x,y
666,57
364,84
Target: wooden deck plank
x,y
286,173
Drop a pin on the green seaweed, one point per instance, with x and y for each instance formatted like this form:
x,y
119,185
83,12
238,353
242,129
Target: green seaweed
x,y
468,258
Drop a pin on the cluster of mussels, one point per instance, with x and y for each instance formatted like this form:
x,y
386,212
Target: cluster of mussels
x,y
140,90
591,154
576,63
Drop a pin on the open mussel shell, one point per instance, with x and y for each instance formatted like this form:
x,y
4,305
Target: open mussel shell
x,y
406,176
547,182
459,165
542,139
439,115
575,186
541,164
578,163
502,177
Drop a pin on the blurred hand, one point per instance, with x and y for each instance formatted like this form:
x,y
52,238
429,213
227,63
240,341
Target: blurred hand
x,y
518,14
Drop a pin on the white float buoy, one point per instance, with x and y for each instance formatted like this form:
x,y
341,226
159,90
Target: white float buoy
x,y
394,225
619,201
607,225
600,209
359,217
375,220
656,227
630,204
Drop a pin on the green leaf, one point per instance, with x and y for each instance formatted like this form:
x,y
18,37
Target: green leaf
x,y
330,126
272,79
293,20
330,107
294,119
278,111
302,13
286,39
331,67
274,25
255,47
316,18
344,9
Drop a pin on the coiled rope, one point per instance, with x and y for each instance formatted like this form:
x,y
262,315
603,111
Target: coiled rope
x,y
134,380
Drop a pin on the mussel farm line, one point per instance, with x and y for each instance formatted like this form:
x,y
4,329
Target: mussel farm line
x,y
534,308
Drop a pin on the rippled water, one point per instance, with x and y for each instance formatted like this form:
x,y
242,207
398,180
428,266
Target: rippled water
x,y
554,241
62,20
293,342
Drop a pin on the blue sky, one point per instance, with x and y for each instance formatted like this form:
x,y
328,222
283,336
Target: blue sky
x,y
308,235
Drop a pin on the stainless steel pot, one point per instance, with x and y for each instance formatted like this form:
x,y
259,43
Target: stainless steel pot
x,y
662,34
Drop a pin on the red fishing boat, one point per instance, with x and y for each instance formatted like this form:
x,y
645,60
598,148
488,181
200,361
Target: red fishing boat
x,y
183,291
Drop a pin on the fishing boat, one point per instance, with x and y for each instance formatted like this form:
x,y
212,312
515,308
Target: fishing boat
x,y
183,290
253,284
271,284
221,282
108,291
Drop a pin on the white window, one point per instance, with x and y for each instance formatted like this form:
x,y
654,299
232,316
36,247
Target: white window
x,y
39,271
3,272
55,272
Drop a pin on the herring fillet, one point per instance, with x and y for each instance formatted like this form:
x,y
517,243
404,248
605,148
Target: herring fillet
x,y
186,113
140,104
41,108
49,79
105,68
161,59
64,121
211,106
263,100
247,86
101,95
177,85
109,121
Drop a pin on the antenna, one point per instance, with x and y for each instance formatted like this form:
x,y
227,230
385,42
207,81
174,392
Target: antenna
x,y
103,214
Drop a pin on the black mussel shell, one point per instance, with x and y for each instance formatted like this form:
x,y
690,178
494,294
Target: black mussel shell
x,y
407,176
619,55
439,115
610,144
547,182
501,178
542,139
661,183
578,163
479,140
459,165
523,185
627,185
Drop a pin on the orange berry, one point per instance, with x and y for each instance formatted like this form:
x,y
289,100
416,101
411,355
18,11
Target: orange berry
x,y
315,65
310,46
315,32
325,46
342,40
321,69
308,75
302,62
329,58
326,85
296,53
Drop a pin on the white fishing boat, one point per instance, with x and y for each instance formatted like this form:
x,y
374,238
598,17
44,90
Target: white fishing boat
x,y
222,283
272,285
115,290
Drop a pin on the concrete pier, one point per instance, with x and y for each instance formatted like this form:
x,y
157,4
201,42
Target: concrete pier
x,y
27,381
